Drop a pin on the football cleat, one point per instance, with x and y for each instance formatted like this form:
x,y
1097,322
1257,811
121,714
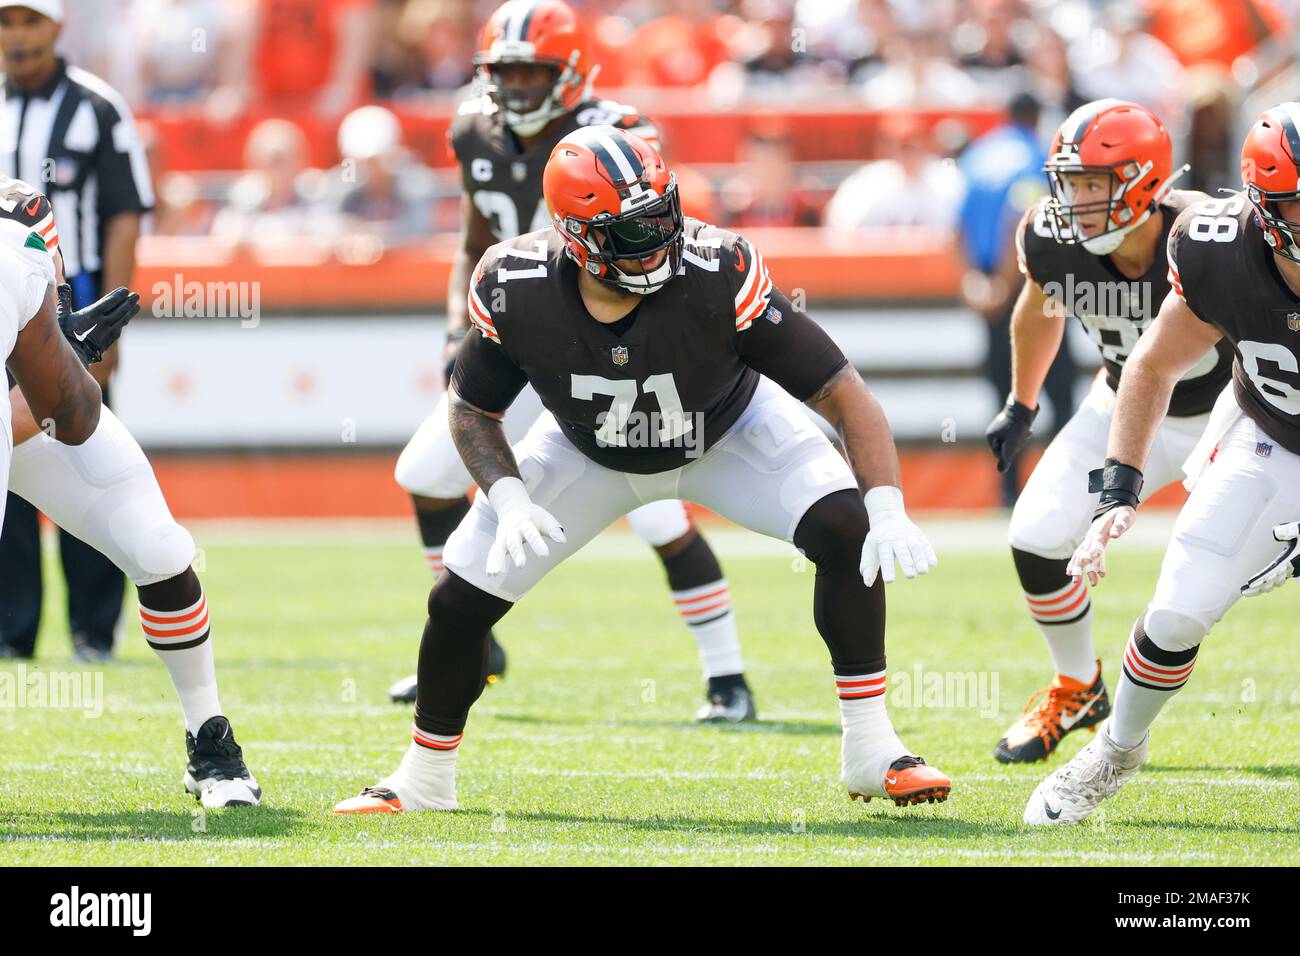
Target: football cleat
x,y
216,774
403,692
911,780
1070,794
371,800
1065,705
730,701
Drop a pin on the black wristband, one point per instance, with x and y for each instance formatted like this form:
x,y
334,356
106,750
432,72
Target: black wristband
x,y
88,354
1119,484
1019,411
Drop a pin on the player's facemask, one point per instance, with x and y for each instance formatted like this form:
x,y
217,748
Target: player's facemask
x,y
1279,232
637,235
527,107
1064,212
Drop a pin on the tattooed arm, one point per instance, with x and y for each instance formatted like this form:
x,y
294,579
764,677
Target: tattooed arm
x,y
481,441
847,403
56,385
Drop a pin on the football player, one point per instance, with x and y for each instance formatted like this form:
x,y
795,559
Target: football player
x,y
103,491
1234,265
666,360
1093,249
537,73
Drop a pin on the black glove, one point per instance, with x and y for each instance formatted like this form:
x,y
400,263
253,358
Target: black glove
x,y
92,331
452,349
1119,485
1008,432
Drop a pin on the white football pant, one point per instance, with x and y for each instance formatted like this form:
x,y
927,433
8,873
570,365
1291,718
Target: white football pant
x,y
104,492
430,466
765,473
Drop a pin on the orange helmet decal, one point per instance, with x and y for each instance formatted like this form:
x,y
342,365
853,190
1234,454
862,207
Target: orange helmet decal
x,y
1119,139
615,205
1270,171
548,32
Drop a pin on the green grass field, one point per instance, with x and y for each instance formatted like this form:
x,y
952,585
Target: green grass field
x,y
586,752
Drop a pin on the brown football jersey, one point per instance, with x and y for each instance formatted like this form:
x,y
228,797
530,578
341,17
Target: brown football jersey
x,y
1114,309
661,386
504,182
1221,265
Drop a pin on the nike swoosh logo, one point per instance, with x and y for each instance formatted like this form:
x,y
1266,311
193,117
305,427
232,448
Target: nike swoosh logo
x,y
32,206
891,780
82,336
1051,814
740,260
1068,722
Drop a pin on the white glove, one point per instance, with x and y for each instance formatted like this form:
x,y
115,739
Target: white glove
x,y
1285,566
893,535
518,520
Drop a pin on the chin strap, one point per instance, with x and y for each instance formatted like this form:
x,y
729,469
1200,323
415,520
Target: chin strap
x,y
1108,242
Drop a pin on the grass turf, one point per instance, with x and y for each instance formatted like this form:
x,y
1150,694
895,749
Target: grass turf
x,y
586,752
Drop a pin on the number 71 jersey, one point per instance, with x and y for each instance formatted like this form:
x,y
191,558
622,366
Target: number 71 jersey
x,y
659,388
1223,268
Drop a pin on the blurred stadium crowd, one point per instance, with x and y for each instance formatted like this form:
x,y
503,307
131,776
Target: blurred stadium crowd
x,y
274,74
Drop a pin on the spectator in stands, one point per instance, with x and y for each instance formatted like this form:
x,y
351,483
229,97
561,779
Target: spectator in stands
x,y
428,45
917,72
990,45
389,194
274,200
1211,142
907,186
1120,59
765,190
680,47
1216,32
172,51
1003,173
292,55
179,206
765,48
1051,79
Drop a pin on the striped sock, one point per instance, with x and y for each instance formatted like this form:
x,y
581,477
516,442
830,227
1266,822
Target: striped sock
x,y
869,744
1065,618
1152,675
426,777
433,558
436,526
174,618
706,611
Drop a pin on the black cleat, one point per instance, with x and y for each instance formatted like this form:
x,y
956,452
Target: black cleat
x,y
730,701
403,692
1053,712
216,773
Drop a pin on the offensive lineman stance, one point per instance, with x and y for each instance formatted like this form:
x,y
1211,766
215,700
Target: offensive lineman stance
x,y
537,73
657,346
1094,249
104,492
1234,264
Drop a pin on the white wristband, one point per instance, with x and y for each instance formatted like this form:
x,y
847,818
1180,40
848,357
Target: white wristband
x,y
507,494
883,500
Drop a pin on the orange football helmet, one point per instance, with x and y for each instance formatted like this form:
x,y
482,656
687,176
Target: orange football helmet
x,y
613,200
1124,141
1270,170
534,31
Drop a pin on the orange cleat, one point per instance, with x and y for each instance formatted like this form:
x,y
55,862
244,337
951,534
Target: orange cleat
x,y
1064,705
371,800
910,780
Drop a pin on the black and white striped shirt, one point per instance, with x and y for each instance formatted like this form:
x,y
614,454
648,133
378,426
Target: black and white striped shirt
x,y
75,140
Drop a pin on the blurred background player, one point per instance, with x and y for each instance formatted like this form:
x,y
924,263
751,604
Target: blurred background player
x,y
1234,268
72,134
535,64
637,292
1095,251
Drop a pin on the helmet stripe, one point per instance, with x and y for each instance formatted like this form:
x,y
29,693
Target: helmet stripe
x,y
1287,116
623,168
521,16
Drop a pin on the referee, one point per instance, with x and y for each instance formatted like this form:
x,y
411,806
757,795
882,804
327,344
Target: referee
x,y
70,135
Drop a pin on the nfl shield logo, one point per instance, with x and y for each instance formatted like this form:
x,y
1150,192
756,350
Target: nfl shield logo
x,y
519,171
1293,321
1263,449
619,354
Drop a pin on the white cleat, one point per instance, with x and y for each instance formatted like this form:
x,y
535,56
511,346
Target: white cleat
x,y
421,782
1070,794
214,794
216,773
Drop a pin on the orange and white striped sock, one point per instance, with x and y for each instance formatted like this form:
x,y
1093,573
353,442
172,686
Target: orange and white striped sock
x,y
869,742
175,620
433,558
1152,675
436,527
706,611
1065,618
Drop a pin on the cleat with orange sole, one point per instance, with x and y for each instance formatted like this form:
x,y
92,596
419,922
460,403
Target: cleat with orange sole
x,y
371,800
909,781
